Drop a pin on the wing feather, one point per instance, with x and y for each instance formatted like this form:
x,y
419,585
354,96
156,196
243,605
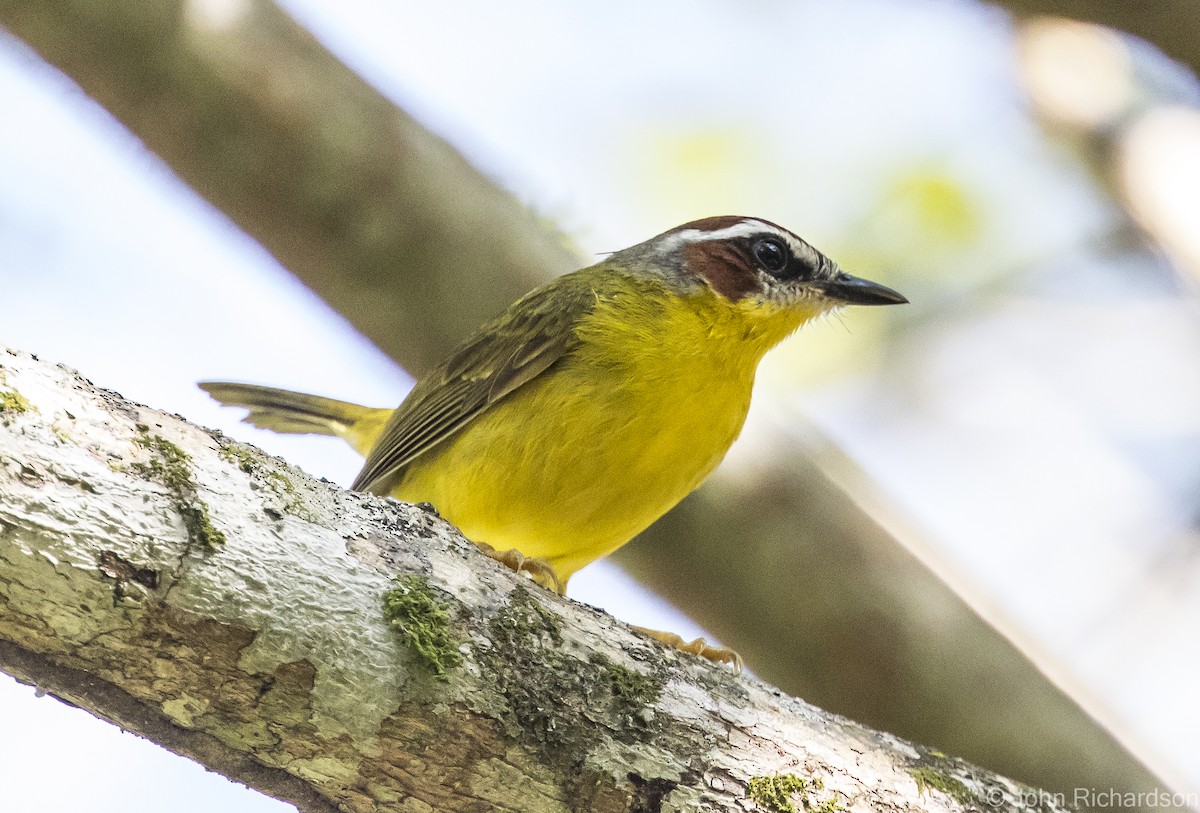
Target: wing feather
x,y
507,353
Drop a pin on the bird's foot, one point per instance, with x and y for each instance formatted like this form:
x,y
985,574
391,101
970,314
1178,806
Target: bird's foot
x,y
538,569
718,654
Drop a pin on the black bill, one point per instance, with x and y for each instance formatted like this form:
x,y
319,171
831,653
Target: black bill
x,y
856,291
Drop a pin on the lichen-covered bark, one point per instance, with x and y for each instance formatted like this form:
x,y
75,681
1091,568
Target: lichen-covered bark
x,y
267,653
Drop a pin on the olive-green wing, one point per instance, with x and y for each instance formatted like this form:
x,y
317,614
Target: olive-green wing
x,y
504,355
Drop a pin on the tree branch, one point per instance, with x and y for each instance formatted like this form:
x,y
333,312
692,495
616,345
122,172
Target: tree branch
x,y
230,608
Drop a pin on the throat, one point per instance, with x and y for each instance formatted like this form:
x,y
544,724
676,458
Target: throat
x,y
733,336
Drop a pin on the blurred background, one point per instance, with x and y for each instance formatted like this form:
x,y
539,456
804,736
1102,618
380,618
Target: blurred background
x,y
1017,451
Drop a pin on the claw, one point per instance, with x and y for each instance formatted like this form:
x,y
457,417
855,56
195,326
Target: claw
x,y
718,654
539,569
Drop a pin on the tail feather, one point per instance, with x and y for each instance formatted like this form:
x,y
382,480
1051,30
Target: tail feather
x,y
298,413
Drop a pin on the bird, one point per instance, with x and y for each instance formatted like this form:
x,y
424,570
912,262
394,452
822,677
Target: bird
x,y
591,406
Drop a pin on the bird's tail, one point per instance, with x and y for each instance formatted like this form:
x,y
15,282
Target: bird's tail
x,y
296,413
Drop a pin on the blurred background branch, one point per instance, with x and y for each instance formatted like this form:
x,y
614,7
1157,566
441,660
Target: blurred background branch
x,y
1171,25
388,222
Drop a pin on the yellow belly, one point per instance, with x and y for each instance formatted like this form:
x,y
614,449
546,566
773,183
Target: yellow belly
x,y
595,466
579,461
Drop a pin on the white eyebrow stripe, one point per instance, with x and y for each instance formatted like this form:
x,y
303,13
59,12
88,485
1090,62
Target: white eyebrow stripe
x,y
744,228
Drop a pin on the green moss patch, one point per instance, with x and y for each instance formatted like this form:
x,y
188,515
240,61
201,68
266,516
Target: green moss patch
x,y
554,703
171,466
779,793
12,403
263,474
929,777
632,691
240,455
419,615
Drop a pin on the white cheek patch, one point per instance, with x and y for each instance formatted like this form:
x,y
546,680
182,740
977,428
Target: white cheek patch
x,y
791,295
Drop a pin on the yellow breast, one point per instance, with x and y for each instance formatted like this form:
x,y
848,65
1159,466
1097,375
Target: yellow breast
x,y
580,460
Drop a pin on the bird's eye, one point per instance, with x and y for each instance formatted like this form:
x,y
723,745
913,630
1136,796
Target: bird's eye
x,y
771,254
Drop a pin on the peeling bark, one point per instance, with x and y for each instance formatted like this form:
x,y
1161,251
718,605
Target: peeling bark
x,y
267,656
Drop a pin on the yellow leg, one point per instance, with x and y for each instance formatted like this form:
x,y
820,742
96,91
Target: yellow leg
x,y
699,647
513,559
